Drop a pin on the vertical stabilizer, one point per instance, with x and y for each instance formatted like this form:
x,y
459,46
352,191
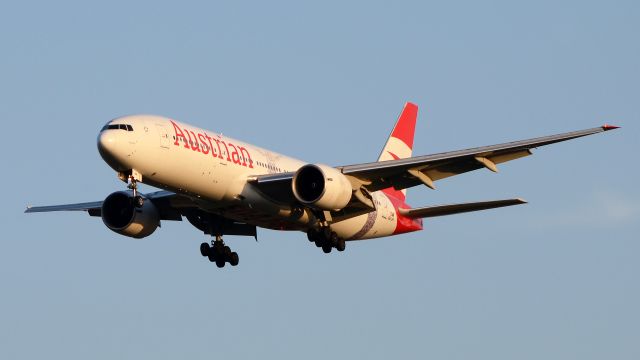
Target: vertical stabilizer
x,y
400,142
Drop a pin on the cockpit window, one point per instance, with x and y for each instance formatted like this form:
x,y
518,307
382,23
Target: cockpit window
x,y
125,127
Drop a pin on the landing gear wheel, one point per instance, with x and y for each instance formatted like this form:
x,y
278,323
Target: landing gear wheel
x,y
318,243
326,248
219,253
326,232
341,245
204,249
311,235
234,259
333,240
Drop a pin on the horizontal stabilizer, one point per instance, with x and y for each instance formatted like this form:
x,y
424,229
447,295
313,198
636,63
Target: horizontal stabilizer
x,y
441,210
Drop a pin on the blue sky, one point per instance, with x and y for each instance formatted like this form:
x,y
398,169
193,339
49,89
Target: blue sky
x,y
555,279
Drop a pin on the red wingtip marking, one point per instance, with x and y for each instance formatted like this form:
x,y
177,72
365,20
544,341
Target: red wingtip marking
x,y
607,127
406,125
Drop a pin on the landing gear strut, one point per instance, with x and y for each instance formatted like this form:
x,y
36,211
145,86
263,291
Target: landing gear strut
x,y
138,200
326,239
219,253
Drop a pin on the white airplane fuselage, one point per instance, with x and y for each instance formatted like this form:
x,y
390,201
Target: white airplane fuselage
x,y
224,186
215,170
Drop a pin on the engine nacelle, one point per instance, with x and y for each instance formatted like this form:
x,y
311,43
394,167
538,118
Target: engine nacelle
x,y
120,214
322,187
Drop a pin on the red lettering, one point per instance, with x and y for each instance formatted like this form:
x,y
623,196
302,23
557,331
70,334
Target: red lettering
x,y
194,144
213,150
246,157
205,149
198,142
235,157
179,134
219,149
226,149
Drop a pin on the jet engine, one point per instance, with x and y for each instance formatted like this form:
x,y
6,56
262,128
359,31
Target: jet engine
x,y
122,215
322,187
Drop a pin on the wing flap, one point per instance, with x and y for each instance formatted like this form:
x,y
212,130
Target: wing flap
x,y
438,172
502,158
442,210
276,186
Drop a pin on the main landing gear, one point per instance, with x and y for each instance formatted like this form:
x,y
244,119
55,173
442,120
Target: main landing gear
x,y
326,239
215,226
219,253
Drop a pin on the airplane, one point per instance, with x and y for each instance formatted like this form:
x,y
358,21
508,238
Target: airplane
x,y
224,186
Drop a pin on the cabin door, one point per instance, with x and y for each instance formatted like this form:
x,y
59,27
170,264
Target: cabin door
x,y
164,136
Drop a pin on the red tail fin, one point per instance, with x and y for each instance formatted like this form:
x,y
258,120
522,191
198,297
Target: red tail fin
x,y
406,124
400,142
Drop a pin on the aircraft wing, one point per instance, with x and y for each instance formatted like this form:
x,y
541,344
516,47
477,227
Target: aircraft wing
x,y
404,173
409,172
161,199
171,206
90,207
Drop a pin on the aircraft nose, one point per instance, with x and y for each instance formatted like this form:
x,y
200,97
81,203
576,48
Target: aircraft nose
x,y
111,148
107,143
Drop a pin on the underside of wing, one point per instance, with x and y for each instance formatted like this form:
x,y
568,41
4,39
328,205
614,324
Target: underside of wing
x,y
276,187
442,210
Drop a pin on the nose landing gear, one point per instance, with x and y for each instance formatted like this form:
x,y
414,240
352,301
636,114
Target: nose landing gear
x,y
132,181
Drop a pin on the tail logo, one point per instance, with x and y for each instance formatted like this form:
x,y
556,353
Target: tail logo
x,y
400,143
